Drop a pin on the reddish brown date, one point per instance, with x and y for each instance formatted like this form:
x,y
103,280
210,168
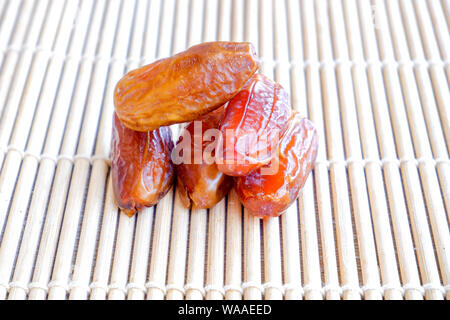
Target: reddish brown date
x,y
142,171
254,122
201,184
270,195
184,87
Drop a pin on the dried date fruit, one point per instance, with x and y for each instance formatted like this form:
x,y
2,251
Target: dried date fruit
x,y
184,87
200,183
267,195
255,119
142,170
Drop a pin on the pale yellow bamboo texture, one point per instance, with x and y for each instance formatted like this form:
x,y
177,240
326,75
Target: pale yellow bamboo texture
x,y
398,211
358,186
46,171
18,138
315,109
413,192
13,31
371,221
81,172
61,182
421,142
338,174
11,107
379,208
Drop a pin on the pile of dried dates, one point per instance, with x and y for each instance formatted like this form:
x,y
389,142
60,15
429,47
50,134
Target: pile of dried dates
x,y
242,132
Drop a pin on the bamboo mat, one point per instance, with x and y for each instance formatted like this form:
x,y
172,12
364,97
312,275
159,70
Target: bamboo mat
x,y
372,221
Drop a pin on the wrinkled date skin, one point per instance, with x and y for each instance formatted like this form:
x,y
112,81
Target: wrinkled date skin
x,y
184,87
254,122
202,185
142,170
270,195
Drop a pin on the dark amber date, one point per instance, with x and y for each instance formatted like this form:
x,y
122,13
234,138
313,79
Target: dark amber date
x,y
200,183
254,122
270,195
184,87
142,170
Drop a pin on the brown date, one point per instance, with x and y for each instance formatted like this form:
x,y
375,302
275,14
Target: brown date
x,y
184,87
142,170
200,183
270,195
254,121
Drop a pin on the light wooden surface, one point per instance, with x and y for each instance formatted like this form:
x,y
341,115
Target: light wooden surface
x,y
371,223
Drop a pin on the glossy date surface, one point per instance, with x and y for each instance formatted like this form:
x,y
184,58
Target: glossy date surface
x,y
253,124
200,183
142,170
184,87
270,195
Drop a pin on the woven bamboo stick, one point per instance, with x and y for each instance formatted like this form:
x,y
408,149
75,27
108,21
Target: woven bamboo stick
x,y
14,22
252,257
402,233
19,138
196,255
81,171
53,139
380,216
446,9
437,73
441,92
440,35
426,92
322,184
50,233
339,187
178,249
216,252
24,68
436,211
363,222
409,171
103,261
306,208
430,184
430,108
9,111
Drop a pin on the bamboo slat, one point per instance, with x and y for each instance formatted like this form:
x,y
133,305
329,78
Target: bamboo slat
x,y
372,221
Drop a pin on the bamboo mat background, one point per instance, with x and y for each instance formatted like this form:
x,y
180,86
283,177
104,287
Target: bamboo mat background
x,y
372,221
